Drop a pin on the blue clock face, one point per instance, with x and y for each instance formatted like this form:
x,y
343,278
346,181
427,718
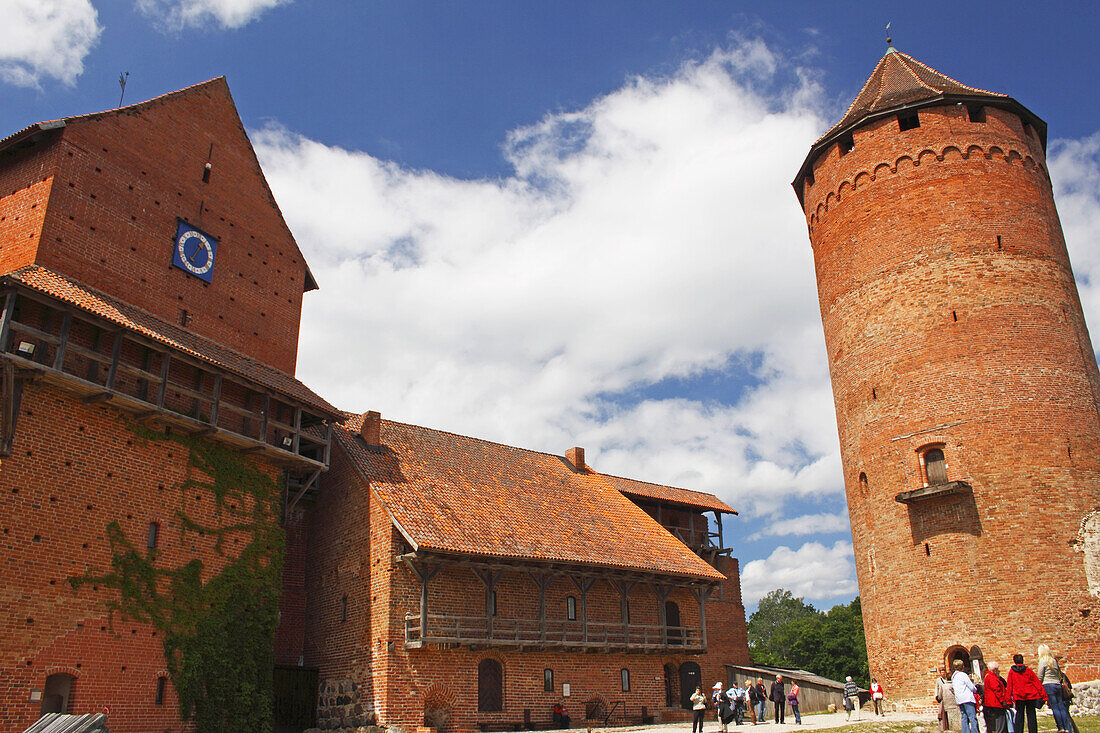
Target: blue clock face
x,y
194,251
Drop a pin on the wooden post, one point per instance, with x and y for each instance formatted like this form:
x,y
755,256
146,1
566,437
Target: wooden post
x,y
583,586
542,580
267,409
662,592
425,573
702,594
718,518
62,341
297,429
217,400
5,320
489,577
112,371
165,362
624,587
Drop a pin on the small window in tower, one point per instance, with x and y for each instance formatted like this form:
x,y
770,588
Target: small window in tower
x,y
547,680
935,466
846,144
624,674
151,539
344,608
162,683
863,483
571,608
492,603
976,112
908,121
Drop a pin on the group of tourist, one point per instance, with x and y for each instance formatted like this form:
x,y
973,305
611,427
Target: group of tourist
x,y
1006,703
732,705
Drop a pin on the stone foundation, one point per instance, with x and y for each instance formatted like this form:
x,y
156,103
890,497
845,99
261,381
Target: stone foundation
x,y
340,708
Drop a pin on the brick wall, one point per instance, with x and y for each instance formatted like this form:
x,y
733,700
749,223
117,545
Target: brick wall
x,y
952,320
120,182
26,177
75,468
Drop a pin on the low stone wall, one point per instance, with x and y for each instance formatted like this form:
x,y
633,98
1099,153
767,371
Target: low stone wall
x,y
1086,698
340,707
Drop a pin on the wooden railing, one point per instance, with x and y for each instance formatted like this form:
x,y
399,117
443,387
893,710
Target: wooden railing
x,y
518,632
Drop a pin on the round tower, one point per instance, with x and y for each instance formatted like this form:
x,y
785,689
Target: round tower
x,y
965,383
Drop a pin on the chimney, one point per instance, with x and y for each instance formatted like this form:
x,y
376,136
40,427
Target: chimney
x,y
371,432
575,457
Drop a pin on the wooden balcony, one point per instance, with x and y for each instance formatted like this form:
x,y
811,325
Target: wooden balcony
x,y
481,631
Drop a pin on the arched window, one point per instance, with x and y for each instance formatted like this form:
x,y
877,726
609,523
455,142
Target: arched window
x,y
935,467
571,608
673,632
863,483
490,686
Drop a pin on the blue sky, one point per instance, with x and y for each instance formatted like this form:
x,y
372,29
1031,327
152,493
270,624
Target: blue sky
x,y
559,223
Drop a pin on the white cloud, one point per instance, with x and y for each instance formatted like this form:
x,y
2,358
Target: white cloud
x,y
198,13
1075,172
42,39
805,525
651,235
814,572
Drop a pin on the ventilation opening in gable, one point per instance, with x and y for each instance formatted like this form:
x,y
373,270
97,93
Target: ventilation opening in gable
x,y
976,112
846,144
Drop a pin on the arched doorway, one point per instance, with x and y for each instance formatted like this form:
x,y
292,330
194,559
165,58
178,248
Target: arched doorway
x,y
672,687
490,686
673,631
953,653
56,695
690,678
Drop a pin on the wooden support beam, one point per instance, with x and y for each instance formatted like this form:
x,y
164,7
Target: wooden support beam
x,y
217,399
267,416
99,397
542,580
5,320
718,519
63,341
702,593
310,482
112,370
425,572
297,429
165,363
584,584
489,577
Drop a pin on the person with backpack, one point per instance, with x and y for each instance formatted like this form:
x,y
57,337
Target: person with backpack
x,y
739,698
851,697
760,700
1050,676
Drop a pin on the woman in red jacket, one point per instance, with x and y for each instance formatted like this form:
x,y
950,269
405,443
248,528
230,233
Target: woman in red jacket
x,y
995,700
1024,690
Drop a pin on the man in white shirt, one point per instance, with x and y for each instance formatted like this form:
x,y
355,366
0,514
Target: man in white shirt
x,y
964,689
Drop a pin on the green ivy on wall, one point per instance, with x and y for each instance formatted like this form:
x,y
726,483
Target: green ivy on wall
x,y
218,633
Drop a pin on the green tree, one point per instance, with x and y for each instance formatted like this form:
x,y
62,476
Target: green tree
x,y
777,609
788,632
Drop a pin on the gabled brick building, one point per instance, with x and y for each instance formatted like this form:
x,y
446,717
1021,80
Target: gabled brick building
x,y
455,579
107,338
150,289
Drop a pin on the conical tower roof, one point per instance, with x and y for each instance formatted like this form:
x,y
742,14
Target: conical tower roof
x,y
900,82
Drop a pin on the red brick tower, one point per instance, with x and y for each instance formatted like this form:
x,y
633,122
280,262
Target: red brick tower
x,y
965,383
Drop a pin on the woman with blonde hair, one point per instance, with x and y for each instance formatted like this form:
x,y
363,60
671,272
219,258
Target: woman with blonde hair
x,y
1050,675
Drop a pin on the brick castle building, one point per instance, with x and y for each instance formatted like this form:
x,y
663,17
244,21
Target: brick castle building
x,y
965,383
150,298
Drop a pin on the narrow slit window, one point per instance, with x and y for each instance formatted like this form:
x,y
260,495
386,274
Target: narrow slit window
x,y
908,121
570,608
162,683
151,540
547,680
344,608
625,677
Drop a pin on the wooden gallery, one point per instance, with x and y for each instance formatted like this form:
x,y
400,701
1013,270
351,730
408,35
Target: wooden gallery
x,y
167,484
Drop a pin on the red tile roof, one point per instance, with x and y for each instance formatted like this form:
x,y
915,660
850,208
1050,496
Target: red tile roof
x,y
455,494
687,497
93,301
899,80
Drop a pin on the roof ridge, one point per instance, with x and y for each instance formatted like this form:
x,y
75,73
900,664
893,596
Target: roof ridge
x,y
916,76
534,451
144,103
